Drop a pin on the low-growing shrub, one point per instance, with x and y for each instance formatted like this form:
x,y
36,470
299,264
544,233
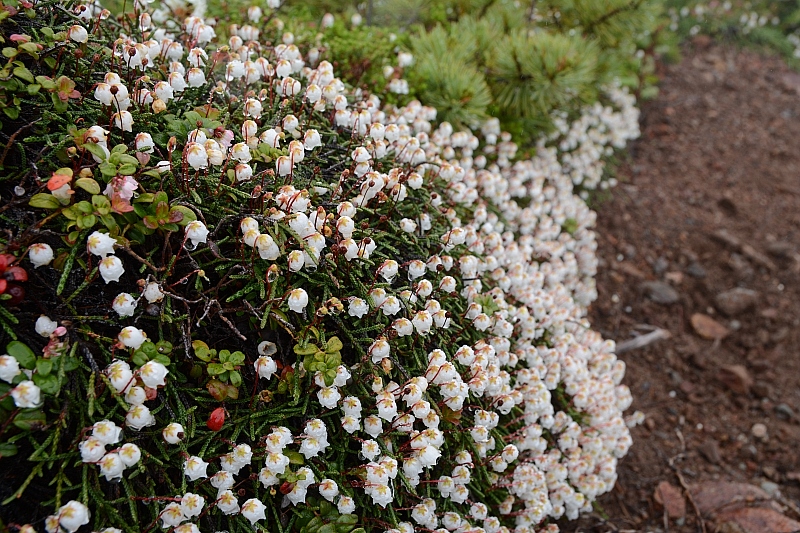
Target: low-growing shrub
x,y
237,293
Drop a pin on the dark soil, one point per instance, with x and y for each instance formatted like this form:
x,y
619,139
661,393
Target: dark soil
x,y
720,151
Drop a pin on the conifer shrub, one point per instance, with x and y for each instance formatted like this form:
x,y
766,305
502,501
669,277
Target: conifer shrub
x,y
238,293
518,61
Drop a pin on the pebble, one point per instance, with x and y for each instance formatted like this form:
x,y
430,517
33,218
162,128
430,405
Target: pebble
x,y
780,249
736,378
660,266
660,292
710,450
771,488
696,271
784,411
735,301
762,389
759,431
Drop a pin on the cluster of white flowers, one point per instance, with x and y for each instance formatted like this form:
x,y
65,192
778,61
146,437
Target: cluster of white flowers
x,y
125,303
102,245
112,463
276,464
702,13
140,386
508,272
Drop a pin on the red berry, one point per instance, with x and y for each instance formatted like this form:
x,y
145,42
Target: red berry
x,y
216,419
16,292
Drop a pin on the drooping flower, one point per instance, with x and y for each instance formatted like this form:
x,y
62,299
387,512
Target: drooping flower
x,y
111,268
196,232
173,433
40,254
254,510
297,300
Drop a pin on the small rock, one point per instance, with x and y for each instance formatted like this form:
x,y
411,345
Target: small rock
x,y
759,431
770,313
708,328
784,411
780,249
660,292
629,250
735,325
760,520
793,476
631,270
736,378
710,450
772,473
741,267
736,300
711,496
728,206
660,266
762,389
674,277
670,498
771,488
696,271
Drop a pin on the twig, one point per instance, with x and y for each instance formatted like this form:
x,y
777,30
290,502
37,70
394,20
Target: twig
x,y
643,340
748,251
143,260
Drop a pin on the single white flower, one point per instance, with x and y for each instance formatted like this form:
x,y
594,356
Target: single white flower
x,y
111,466
227,502
123,120
144,143
92,450
196,155
346,505
106,432
195,77
120,375
153,293
40,254
241,153
195,468
196,232
173,433
328,489
9,368
357,308
172,515
132,337
78,33
153,374
222,480
26,395
124,304
139,416
72,516
265,367
111,268
192,504
101,244
254,510
297,300
129,454
136,396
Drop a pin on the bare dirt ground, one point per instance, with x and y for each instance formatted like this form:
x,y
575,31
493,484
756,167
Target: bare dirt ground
x,y
701,239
